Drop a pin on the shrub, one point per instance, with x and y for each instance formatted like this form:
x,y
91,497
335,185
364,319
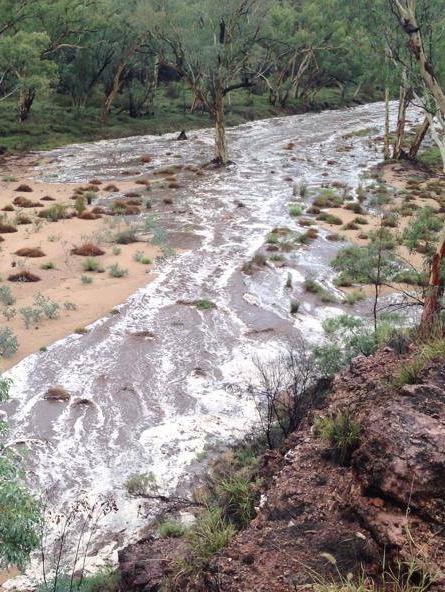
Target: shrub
x,y
236,496
30,252
22,220
116,271
48,265
8,343
342,433
140,257
277,257
91,264
350,226
209,534
6,296
55,213
126,237
353,297
23,276
272,239
171,529
24,202
7,228
355,207
330,358
410,371
23,188
390,220
295,210
48,307
204,304
328,198
294,306
89,196
116,250
9,313
258,260
80,206
105,581
344,280
31,316
330,219
88,250
139,484
86,279
81,330
312,286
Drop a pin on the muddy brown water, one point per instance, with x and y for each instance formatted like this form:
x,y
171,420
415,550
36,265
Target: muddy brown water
x,y
165,379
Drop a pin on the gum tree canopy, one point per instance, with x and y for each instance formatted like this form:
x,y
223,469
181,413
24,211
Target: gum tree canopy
x,y
212,46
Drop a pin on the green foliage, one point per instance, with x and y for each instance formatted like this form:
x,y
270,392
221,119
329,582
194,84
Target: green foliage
x,y
171,529
314,287
55,213
140,257
341,432
91,264
209,534
353,297
236,496
80,205
49,308
8,343
20,516
6,296
116,271
422,230
370,264
330,219
295,210
347,337
140,484
204,304
31,316
126,237
104,581
410,371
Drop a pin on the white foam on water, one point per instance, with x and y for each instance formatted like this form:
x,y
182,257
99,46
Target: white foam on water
x,y
150,411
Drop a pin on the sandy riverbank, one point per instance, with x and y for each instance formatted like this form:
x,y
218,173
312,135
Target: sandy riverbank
x,y
83,296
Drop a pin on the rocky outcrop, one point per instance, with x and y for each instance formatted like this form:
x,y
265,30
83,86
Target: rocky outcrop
x,y
389,501
145,565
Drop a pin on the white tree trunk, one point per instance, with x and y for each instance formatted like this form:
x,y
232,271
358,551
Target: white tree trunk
x,y
438,134
386,154
222,154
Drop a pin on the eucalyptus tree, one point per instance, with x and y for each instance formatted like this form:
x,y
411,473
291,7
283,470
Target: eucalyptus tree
x,y
23,71
419,19
212,45
127,35
32,34
20,516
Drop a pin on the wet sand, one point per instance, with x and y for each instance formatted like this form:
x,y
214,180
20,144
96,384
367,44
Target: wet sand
x,y
80,303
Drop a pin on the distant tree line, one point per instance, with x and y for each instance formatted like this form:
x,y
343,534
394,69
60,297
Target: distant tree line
x,y
286,49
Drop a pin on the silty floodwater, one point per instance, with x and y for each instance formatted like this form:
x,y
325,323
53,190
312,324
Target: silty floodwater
x,y
165,379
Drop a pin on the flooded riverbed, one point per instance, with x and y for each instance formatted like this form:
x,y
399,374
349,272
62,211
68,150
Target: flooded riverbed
x,y
163,379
